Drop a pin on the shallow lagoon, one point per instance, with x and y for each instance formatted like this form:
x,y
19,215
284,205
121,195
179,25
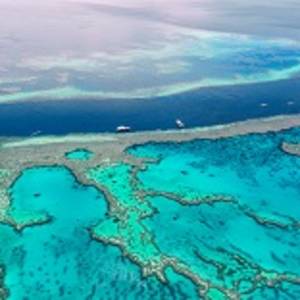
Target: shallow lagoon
x,y
252,168
260,226
79,154
248,244
58,260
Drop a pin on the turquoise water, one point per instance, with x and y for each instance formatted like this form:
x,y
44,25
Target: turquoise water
x,y
79,154
251,168
59,260
263,180
249,245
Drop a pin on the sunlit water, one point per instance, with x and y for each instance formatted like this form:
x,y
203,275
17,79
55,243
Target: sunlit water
x,y
149,63
60,260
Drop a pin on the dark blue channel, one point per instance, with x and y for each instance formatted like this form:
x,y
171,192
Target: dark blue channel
x,y
198,108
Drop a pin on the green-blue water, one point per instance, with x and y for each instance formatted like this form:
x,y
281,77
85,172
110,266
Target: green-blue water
x,y
59,260
79,154
249,245
264,181
251,168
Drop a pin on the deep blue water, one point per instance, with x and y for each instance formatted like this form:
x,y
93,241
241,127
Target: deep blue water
x,y
199,108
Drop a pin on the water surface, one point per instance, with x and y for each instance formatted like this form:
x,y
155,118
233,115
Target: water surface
x,y
203,61
59,260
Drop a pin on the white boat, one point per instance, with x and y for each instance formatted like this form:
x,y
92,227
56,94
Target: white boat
x,y
179,124
123,128
264,104
35,133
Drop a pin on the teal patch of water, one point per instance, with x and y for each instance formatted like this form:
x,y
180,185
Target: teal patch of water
x,y
265,293
79,154
210,238
181,287
249,245
223,242
251,168
59,260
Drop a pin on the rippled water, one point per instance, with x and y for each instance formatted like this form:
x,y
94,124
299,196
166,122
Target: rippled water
x,y
59,260
149,63
227,210
259,175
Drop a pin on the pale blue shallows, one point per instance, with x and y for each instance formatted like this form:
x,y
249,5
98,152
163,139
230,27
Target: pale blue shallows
x,y
252,169
79,154
59,260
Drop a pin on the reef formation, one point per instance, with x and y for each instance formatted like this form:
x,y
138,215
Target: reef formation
x,y
219,209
